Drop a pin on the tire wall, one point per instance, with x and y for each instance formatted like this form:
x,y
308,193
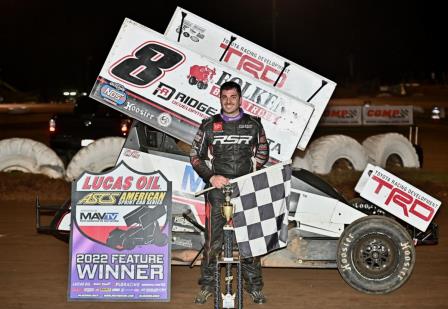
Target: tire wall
x,y
96,157
326,150
27,155
380,147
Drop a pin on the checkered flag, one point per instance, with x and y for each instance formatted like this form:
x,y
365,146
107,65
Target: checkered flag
x,y
260,218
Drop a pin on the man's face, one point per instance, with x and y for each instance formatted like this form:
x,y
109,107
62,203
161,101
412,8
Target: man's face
x,y
230,102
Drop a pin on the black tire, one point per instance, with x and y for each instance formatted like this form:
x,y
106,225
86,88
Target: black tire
x,y
202,85
192,80
375,255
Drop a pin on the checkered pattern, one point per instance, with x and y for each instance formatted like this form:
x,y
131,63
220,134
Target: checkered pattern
x,y
261,212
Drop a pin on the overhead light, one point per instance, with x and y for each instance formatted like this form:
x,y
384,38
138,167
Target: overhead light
x,y
66,93
435,114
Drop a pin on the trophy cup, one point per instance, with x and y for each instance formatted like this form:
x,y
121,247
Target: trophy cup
x,y
228,261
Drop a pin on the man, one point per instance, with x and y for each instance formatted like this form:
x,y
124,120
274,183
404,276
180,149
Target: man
x,y
235,144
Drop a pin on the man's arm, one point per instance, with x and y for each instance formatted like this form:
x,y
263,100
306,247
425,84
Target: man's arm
x,y
262,150
198,154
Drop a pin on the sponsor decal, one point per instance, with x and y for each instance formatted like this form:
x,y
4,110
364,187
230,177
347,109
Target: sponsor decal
x,y
397,197
377,115
98,216
249,63
120,236
138,110
217,126
113,95
132,153
164,119
147,64
231,139
342,115
190,104
192,31
201,76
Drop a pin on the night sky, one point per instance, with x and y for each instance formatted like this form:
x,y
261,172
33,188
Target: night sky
x,y
48,46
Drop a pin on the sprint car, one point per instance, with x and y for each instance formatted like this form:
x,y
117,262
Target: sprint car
x,y
373,250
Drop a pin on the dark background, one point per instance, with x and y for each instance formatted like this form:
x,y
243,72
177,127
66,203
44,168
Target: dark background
x,y
49,46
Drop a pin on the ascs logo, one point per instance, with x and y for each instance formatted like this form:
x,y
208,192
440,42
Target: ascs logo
x,y
113,95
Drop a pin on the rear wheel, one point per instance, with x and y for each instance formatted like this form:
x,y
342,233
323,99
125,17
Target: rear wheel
x,y
192,80
375,255
202,85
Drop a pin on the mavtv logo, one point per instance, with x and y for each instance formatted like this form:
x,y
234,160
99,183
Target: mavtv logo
x,y
99,217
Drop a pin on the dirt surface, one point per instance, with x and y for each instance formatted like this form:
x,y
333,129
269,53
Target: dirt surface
x,y
34,267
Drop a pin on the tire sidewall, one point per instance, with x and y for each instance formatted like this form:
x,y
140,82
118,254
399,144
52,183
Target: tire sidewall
x,y
368,226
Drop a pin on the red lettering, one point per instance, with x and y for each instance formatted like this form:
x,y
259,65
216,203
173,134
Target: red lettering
x,y
155,183
215,91
381,183
128,182
141,183
86,185
149,182
400,198
230,52
97,181
118,183
268,69
414,211
107,184
250,65
253,66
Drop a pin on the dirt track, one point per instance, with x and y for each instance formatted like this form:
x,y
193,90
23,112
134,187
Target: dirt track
x,y
34,267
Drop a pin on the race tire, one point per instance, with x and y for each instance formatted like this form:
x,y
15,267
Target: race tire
x,y
96,157
29,156
302,160
375,255
382,147
325,151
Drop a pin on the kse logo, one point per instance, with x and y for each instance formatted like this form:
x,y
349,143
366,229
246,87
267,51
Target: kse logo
x,y
231,139
405,201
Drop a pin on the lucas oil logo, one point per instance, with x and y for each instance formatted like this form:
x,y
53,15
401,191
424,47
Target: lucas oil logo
x,y
113,95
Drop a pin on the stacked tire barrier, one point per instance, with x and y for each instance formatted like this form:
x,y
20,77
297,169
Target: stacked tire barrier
x,y
380,150
29,156
26,155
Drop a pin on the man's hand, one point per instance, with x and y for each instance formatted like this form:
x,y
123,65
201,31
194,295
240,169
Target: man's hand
x,y
219,181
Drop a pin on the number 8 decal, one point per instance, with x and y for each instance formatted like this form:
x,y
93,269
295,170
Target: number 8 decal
x,y
147,64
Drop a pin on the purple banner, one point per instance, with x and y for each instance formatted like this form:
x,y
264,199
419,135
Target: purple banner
x,y
120,239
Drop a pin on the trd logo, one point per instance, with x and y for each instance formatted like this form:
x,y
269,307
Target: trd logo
x,y
231,139
254,67
405,201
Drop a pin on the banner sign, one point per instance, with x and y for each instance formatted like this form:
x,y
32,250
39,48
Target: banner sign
x,y
397,197
185,181
171,88
250,60
120,237
341,115
388,115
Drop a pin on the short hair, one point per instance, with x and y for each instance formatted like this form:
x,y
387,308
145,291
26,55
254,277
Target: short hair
x,y
230,85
